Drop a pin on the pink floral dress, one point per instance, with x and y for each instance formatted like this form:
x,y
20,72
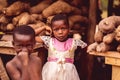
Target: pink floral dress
x,y
60,59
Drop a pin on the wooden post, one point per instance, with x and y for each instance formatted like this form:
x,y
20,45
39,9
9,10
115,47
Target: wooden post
x,y
115,62
91,31
92,20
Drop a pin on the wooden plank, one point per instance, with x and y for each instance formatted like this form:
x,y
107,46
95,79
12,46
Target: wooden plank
x,y
6,47
7,37
9,44
113,54
112,61
3,73
7,50
115,73
6,44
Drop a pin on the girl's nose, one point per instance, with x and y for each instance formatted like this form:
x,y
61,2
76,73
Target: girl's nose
x,y
59,31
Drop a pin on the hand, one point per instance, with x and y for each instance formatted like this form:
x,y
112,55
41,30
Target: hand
x,y
48,30
77,36
24,58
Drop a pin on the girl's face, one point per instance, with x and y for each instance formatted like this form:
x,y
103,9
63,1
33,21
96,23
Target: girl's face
x,y
60,30
23,43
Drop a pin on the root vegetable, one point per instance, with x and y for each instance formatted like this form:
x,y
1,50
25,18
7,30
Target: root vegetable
x,y
37,25
36,17
49,19
92,47
17,18
98,37
3,19
109,24
118,48
10,27
59,7
40,7
24,20
109,38
76,2
77,18
16,8
3,4
117,34
102,47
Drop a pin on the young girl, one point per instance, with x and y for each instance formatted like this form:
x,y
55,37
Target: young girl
x,y
61,48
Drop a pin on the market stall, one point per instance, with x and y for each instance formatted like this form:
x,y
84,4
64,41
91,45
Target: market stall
x,y
38,13
111,58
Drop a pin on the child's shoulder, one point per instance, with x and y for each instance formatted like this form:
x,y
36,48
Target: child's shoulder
x,y
14,62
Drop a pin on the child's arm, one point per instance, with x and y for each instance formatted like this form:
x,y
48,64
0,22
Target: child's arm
x,y
12,67
24,59
38,39
35,67
12,71
40,29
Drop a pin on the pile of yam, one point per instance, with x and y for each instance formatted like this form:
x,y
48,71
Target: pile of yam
x,y
107,35
22,12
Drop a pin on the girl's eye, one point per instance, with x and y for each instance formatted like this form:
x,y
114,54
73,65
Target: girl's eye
x,y
55,29
64,28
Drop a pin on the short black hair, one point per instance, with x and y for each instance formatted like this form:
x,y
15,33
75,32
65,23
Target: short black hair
x,y
60,17
25,30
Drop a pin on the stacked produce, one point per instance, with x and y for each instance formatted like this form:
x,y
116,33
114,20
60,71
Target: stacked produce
x,y
107,35
39,15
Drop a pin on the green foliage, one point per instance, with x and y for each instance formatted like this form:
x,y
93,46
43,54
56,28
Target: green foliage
x,y
103,4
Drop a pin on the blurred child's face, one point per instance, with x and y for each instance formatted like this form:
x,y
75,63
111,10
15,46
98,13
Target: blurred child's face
x,y
60,30
23,43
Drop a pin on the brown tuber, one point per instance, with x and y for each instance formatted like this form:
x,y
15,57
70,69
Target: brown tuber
x,y
77,18
59,7
16,8
98,36
92,47
117,34
102,47
40,7
108,38
109,24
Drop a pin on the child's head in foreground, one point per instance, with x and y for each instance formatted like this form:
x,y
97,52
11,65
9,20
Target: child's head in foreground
x,y
60,27
23,38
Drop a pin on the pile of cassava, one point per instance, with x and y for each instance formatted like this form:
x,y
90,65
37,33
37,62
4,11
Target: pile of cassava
x,y
24,12
107,35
